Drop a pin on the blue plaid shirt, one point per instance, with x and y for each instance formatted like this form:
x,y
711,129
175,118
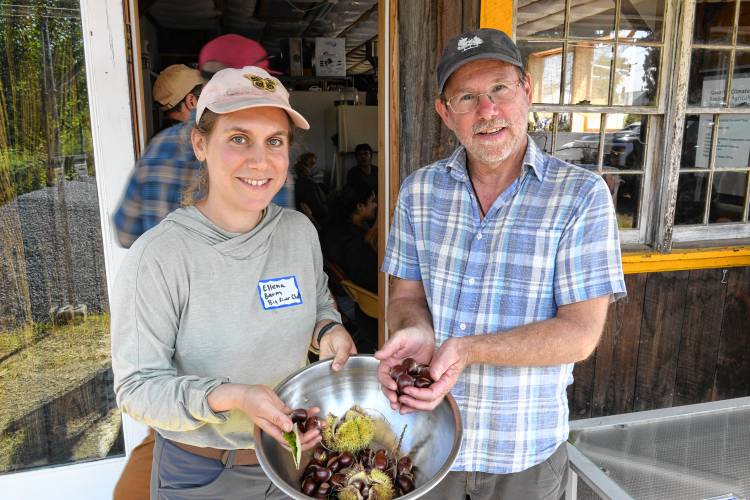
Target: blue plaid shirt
x,y
549,239
167,166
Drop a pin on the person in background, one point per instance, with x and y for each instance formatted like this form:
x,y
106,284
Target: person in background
x,y
168,164
222,300
364,170
505,259
310,198
350,242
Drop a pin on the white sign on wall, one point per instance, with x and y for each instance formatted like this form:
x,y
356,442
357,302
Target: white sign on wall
x,y
330,57
733,146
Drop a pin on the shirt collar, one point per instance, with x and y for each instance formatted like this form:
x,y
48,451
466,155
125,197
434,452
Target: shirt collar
x,y
534,160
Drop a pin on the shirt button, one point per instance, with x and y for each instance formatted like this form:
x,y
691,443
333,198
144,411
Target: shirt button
x,y
462,326
471,281
479,236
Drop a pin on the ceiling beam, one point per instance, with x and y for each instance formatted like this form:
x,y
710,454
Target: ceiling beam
x,y
364,17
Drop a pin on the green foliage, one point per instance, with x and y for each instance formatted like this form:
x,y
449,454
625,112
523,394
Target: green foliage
x,y
44,113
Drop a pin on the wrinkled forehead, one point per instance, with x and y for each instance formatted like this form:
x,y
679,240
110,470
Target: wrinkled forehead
x,y
478,75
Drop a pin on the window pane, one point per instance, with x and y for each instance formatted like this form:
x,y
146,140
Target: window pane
x,y
587,73
713,21
728,197
578,139
708,73
626,194
540,129
696,140
544,64
741,79
56,399
733,145
593,20
691,198
743,29
546,19
625,141
636,76
642,20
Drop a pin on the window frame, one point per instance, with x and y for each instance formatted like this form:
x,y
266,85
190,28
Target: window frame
x,y
664,138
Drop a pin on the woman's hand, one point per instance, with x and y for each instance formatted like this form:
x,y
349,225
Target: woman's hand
x,y
337,344
263,407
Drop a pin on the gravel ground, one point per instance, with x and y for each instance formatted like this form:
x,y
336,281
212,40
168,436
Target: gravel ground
x,y
62,247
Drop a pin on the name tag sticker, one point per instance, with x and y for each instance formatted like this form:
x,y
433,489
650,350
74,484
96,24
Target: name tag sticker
x,y
279,292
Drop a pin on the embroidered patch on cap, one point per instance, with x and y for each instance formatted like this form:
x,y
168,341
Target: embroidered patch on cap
x,y
465,44
262,83
279,292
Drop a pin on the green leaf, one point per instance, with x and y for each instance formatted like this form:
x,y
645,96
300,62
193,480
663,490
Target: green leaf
x,y
295,443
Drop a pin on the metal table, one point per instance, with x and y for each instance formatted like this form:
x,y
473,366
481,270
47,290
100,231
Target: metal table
x,y
689,452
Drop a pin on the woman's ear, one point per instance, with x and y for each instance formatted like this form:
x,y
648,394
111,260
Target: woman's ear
x,y
199,145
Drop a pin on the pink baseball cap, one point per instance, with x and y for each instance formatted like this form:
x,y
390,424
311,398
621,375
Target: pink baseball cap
x,y
232,51
250,87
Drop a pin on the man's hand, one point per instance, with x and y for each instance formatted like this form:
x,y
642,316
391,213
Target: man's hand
x,y
337,344
412,342
447,364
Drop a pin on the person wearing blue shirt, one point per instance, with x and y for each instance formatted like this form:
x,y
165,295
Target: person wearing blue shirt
x,y
504,262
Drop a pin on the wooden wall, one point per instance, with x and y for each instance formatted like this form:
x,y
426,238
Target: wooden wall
x,y
679,338
424,26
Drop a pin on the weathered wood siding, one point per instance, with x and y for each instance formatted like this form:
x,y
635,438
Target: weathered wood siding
x,y
424,27
679,338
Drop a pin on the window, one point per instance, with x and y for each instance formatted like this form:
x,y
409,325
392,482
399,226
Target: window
x,y
610,78
56,399
712,186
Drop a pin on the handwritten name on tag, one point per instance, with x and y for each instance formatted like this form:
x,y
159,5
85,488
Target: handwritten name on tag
x,y
279,292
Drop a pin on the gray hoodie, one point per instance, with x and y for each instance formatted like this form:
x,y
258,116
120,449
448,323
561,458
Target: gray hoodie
x,y
195,306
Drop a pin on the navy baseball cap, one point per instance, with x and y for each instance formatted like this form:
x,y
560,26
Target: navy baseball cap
x,y
484,43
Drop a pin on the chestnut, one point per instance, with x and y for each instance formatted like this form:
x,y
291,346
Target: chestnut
x,y
322,475
380,462
405,483
338,481
299,415
359,484
308,487
404,463
346,459
422,382
397,371
404,381
324,489
312,423
424,371
411,366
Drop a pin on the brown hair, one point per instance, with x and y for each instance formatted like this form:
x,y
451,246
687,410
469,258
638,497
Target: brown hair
x,y
198,187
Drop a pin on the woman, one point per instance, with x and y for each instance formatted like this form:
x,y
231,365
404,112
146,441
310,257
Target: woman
x,y
221,301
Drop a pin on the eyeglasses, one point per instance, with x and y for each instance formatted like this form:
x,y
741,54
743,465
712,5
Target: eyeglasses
x,y
499,93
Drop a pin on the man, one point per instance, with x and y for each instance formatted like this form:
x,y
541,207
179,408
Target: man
x,y
364,170
505,259
168,163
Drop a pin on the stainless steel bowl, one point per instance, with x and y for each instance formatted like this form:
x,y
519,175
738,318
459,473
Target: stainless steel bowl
x,y
432,439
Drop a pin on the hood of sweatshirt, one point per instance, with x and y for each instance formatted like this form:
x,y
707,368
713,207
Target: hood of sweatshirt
x,y
235,245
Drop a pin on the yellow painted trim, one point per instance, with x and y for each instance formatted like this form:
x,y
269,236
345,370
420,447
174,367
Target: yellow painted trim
x,y
497,14
684,260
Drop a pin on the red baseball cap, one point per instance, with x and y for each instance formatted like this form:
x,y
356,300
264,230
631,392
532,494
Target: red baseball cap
x,y
232,51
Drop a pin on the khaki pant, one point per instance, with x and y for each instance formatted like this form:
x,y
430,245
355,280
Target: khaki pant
x,y
544,481
135,479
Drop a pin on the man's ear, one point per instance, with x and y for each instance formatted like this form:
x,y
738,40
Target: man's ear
x,y
191,102
199,145
444,112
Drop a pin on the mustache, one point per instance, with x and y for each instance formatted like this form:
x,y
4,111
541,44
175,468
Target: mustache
x,y
487,125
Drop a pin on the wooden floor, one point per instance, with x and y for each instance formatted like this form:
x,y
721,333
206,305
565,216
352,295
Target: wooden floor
x,y
679,338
